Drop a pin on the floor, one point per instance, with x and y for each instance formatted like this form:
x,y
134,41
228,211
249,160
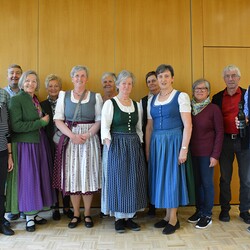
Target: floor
x,y
56,235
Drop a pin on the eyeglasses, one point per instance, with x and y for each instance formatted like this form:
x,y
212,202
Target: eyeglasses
x,y
233,76
200,89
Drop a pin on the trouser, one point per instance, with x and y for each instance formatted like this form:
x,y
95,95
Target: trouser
x,y
204,184
3,177
230,148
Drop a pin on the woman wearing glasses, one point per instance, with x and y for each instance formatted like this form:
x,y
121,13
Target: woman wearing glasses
x,y
205,145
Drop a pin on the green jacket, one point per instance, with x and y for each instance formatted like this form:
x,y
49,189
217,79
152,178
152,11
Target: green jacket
x,y
24,118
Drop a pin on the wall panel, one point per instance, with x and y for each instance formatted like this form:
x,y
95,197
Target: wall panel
x,y
226,22
18,35
149,33
78,32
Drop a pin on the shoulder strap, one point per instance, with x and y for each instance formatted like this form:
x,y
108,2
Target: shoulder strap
x,y
78,105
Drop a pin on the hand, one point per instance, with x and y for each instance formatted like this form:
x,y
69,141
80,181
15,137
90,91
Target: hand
x,y
182,156
213,162
79,138
45,118
10,163
237,123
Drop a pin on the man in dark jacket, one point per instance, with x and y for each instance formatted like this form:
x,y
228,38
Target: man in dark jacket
x,y
228,100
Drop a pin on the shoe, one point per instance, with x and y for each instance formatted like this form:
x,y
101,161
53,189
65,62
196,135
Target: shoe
x,y
22,215
56,215
13,216
6,230
69,213
151,210
248,229
245,216
120,226
170,229
6,222
90,223
195,217
161,224
102,215
30,228
42,221
132,225
224,216
75,223
204,222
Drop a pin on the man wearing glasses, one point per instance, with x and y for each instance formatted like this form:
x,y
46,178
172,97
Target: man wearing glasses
x,y
233,145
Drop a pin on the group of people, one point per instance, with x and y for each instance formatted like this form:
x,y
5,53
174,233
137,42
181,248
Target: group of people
x,y
135,154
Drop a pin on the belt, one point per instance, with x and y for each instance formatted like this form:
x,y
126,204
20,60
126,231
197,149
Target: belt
x,y
232,136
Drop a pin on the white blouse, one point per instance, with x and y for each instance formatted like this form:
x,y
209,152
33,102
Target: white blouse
x,y
107,118
59,111
183,100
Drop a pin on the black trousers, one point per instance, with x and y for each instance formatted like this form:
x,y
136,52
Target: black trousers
x,y
3,177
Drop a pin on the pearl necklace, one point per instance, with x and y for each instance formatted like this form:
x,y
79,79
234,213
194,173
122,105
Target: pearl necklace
x,y
168,93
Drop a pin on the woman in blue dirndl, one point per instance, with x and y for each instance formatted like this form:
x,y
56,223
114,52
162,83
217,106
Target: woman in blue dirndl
x,y
168,133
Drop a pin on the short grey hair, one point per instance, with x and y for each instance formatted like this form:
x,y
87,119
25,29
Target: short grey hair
x,y
52,77
123,75
78,68
25,75
199,81
231,67
106,74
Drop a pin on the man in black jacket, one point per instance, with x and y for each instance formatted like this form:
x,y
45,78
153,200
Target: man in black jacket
x,y
228,100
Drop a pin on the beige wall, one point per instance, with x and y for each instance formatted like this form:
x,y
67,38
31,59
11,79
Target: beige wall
x,y
197,37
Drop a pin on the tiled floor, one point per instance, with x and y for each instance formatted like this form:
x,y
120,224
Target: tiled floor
x,y
56,235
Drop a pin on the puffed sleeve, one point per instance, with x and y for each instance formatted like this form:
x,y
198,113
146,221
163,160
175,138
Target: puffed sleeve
x,y
59,111
98,107
106,120
184,102
139,123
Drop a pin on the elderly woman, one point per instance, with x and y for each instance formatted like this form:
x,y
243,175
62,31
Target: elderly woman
x,y
29,186
125,175
53,84
168,133
6,162
205,145
79,169
108,83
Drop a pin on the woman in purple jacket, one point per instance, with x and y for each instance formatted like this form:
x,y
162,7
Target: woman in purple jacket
x,y
206,143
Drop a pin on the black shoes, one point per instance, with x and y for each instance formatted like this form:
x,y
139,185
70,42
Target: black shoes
x,y
56,215
6,230
120,226
90,223
13,216
31,228
204,222
69,213
195,217
170,229
245,216
151,210
74,222
40,221
161,224
224,216
6,222
132,225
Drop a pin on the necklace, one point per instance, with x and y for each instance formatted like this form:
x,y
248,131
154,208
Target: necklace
x,y
168,93
78,93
